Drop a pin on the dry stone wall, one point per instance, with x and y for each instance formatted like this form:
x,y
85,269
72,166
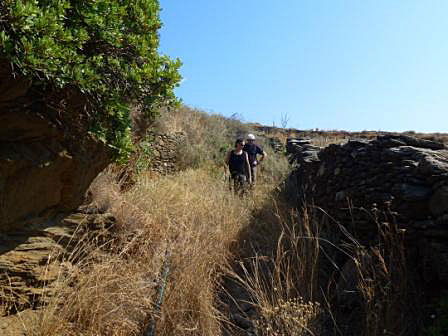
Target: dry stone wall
x,y
362,183
163,151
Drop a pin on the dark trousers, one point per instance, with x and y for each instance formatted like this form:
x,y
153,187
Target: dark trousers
x,y
253,172
239,182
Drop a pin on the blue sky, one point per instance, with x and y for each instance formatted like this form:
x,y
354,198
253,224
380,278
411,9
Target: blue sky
x,y
327,64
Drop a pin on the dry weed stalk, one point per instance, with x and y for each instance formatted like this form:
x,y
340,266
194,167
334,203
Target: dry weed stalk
x,y
385,286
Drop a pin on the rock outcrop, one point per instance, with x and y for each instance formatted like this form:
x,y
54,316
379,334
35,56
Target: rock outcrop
x,y
47,161
47,157
33,257
361,184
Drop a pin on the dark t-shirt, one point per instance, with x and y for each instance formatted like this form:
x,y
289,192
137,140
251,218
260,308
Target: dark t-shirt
x,y
252,151
237,163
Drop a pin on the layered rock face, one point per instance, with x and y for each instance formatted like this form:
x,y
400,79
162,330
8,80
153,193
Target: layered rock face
x,y
47,157
47,162
393,178
30,257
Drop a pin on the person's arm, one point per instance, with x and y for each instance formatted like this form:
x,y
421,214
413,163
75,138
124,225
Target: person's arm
x,y
262,154
227,159
248,167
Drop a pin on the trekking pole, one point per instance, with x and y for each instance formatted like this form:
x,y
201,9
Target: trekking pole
x,y
150,331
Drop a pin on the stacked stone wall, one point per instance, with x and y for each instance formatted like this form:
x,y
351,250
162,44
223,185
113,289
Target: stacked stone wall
x,y
164,150
362,184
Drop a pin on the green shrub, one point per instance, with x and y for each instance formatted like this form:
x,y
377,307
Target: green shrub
x,y
107,49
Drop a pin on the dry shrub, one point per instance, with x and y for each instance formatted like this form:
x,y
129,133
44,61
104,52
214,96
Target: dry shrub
x,y
112,289
291,317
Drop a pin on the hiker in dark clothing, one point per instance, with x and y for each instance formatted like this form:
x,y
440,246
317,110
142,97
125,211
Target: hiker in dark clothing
x,y
238,162
252,150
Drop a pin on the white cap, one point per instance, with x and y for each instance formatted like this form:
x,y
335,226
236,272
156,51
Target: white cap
x,y
250,136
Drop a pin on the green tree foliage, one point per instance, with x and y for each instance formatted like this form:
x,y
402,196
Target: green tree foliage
x,y
107,49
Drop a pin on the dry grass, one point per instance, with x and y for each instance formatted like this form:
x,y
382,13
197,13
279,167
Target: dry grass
x,y
186,224
208,136
325,137
112,291
297,284
280,271
190,223
391,302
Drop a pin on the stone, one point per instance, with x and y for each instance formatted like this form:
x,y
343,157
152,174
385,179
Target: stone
x,y
14,325
321,170
30,256
439,234
411,192
410,141
164,149
298,141
403,152
439,260
421,143
433,163
241,321
392,143
438,204
442,220
424,224
340,196
347,292
395,179
356,143
310,148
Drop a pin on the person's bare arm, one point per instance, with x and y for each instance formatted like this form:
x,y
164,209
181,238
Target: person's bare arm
x,y
227,159
263,156
248,168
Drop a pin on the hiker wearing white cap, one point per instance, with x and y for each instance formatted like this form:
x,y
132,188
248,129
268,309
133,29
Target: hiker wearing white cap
x,y
252,150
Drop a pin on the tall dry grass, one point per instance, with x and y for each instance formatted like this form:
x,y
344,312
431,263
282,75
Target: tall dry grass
x,y
113,288
187,223
281,275
312,280
391,302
